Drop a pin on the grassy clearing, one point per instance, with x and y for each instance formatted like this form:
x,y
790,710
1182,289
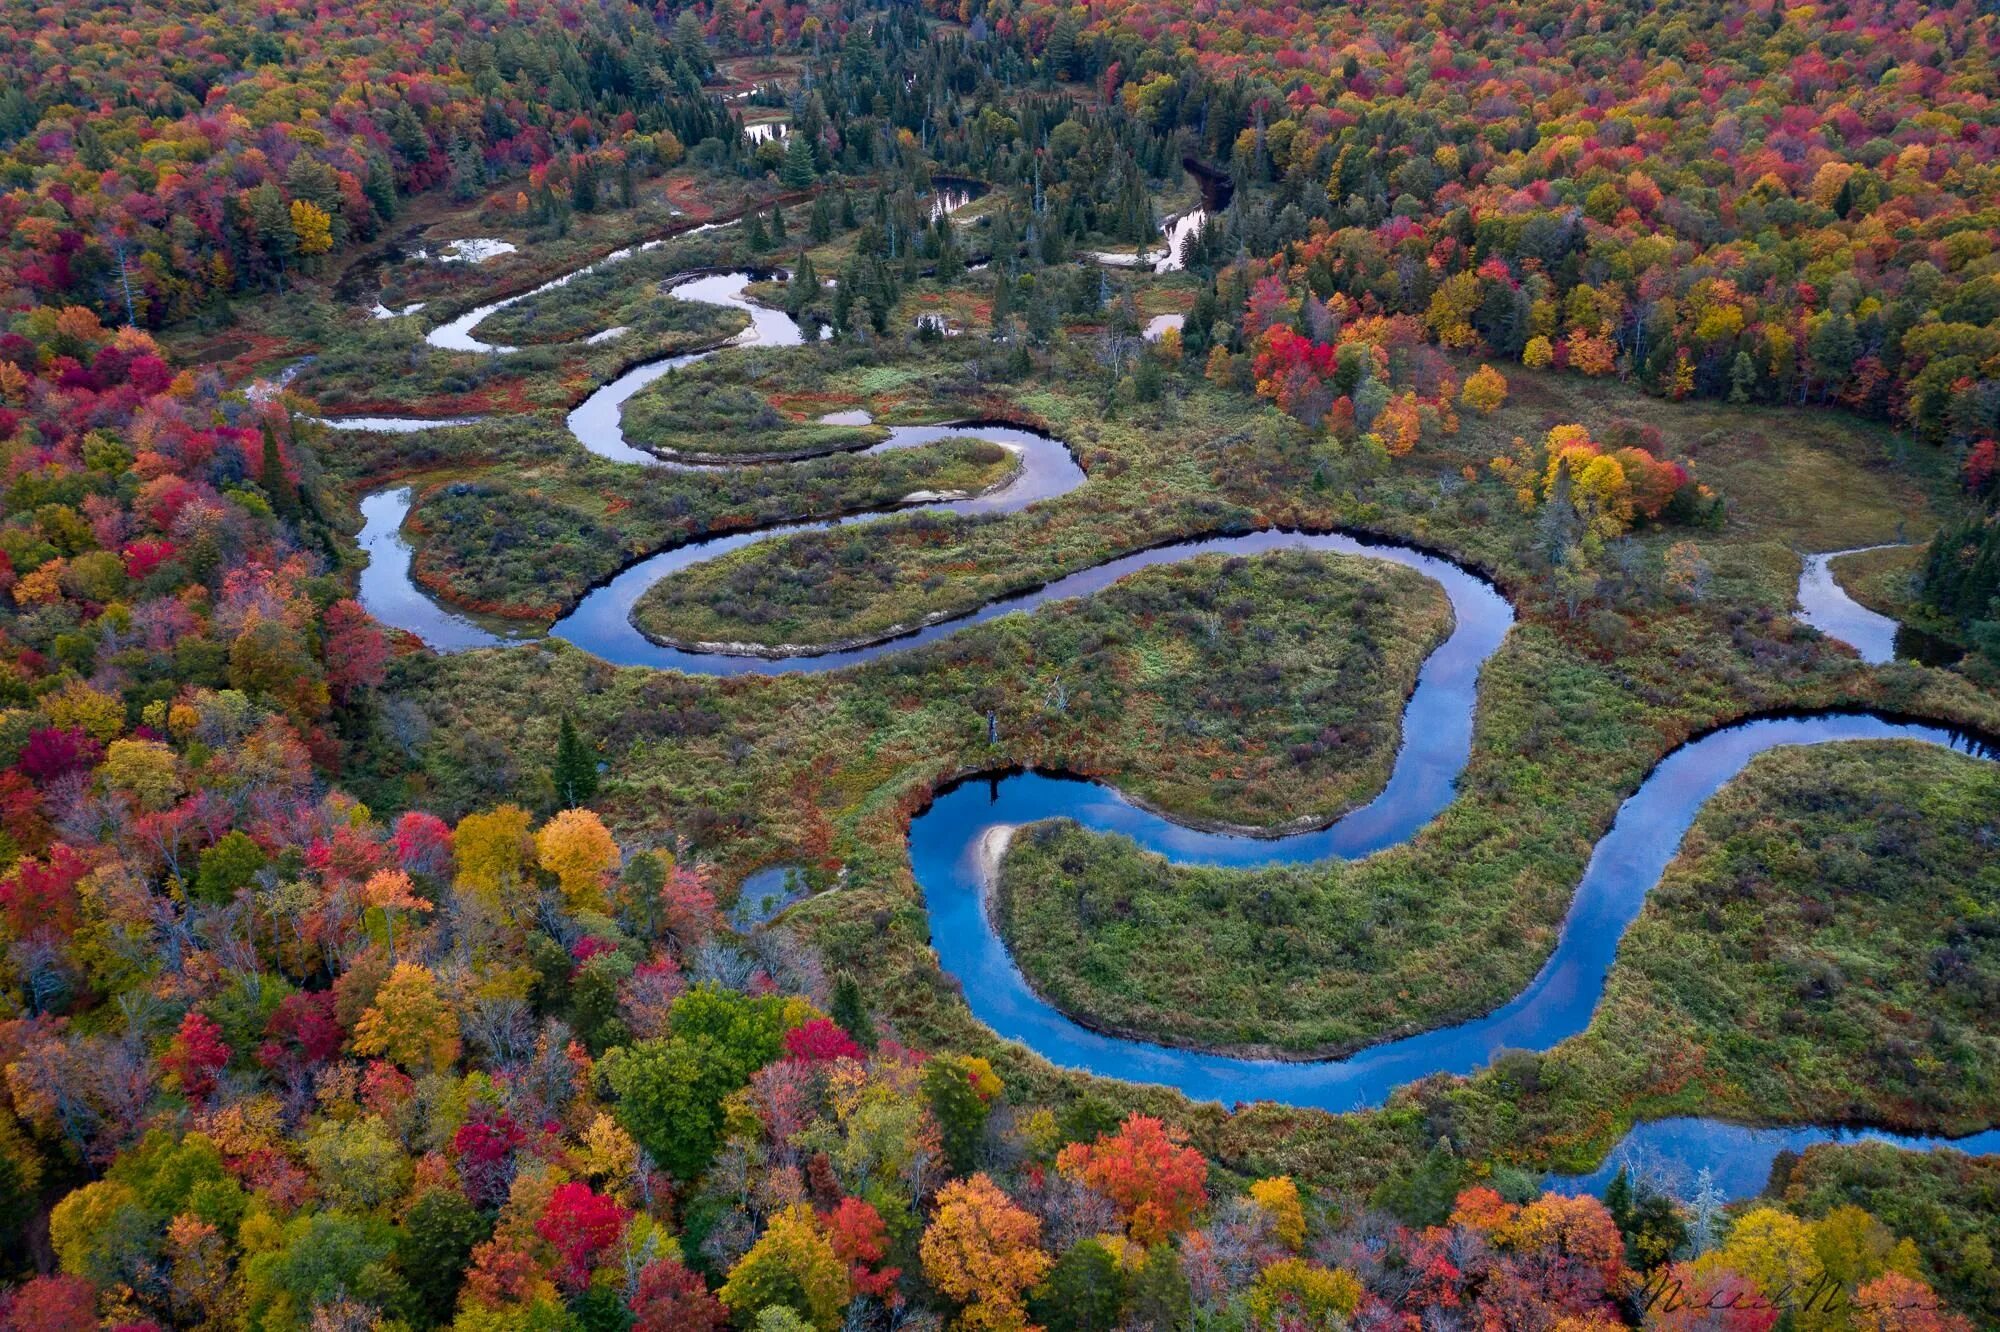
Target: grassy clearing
x,y
1884,580
1130,685
1889,581
1830,937
628,293
1203,459
1268,690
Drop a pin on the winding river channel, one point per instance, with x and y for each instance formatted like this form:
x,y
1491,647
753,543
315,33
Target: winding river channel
x,y
955,843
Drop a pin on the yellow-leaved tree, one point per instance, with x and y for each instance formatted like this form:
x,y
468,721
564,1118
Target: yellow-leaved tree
x,y
1279,1196
793,1258
1485,389
410,1023
984,1252
576,847
1316,1296
492,853
145,770
312,227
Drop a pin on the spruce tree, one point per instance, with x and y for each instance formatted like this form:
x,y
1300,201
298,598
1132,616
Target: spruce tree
x,y
798,171
843,301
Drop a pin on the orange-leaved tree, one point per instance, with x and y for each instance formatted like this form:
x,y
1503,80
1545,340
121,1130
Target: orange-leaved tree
x,y
1155,1180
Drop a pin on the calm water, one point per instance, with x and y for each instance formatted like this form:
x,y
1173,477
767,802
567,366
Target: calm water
x,y
1669,1154
457,334
390,594
597,420
1176,234
601,622
765,893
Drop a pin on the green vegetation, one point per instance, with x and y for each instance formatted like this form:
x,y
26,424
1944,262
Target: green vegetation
x,y
528,540
347,377
1830,938
1887,580
1797,964
1152,479
1948,1198
1962,583
1326,957
728,407
1132,683
1196,462
625,293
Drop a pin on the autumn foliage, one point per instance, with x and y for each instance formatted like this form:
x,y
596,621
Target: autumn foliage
x,y
1155,1180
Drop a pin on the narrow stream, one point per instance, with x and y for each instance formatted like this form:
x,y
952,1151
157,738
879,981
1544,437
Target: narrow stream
x,y
1825,605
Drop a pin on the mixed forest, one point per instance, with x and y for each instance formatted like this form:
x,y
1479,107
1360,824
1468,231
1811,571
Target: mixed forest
x,y
387,943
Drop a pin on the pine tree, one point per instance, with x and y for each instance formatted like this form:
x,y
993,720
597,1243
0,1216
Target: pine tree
x,y
575,771
284,496
1618,1198
1160,1296
1061,50
1742,378
777,225
755,238
850,1011
843,301
804,286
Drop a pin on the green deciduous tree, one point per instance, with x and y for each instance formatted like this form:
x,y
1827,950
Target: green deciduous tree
x,y
434,1244
670,1090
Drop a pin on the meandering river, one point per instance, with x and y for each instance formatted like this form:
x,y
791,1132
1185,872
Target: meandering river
x,y
955,843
